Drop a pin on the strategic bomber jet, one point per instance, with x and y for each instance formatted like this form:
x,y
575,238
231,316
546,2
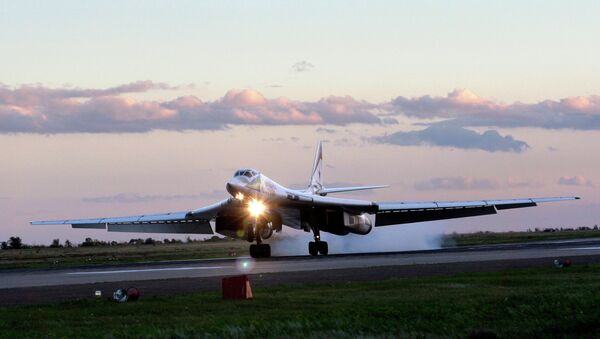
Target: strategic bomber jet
x,y
259,206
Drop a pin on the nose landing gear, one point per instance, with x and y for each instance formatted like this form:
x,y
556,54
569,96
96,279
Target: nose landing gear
x,y
258,250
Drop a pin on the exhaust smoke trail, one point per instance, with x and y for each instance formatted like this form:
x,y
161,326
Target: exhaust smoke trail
x,y
418,236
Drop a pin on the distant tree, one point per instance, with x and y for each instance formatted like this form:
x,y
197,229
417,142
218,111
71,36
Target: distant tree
x,y
149,241
68,244
188,240
595,227
15,243
55,243
88,242
166,241
4,245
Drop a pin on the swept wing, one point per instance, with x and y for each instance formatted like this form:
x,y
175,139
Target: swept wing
x,y
193,221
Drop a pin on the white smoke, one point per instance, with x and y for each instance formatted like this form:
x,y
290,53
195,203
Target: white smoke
x,y
408,237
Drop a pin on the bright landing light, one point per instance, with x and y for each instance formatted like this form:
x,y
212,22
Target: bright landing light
x,y
256,207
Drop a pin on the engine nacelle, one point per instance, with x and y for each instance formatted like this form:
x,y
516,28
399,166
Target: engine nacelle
x,y
338,222
358,223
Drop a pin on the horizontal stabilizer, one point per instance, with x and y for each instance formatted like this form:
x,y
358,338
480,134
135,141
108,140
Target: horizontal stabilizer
x,y
325,191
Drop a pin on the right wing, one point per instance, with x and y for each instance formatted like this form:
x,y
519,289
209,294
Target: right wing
x,y
194,222
393,213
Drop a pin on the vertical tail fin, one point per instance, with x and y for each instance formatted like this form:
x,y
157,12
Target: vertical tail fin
x,y
317,170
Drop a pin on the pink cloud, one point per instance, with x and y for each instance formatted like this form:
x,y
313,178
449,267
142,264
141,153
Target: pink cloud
x,y
465,108
43,110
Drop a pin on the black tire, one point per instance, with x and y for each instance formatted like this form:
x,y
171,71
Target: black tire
x,y
323,247
313,248
265,250
254,253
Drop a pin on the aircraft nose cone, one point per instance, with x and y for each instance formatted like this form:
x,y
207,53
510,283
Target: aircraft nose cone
x,y
233,188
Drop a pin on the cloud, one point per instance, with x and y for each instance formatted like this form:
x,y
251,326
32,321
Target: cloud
x,y
43,110
468,183
302,66
464,108
39,109
577,180
139,198
454,136
325,130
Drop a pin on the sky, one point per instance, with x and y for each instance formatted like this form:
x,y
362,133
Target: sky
x,y
116,108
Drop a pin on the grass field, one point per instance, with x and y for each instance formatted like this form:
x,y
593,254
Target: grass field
x,y
77,256
519,303
486,238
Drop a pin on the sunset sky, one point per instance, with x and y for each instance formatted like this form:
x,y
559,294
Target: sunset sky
x,y
116,108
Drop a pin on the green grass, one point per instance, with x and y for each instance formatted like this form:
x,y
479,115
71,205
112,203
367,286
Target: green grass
x,y
77,256
518,303
486,238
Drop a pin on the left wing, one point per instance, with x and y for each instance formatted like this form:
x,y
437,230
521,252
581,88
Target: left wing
x,y
392,213
195,221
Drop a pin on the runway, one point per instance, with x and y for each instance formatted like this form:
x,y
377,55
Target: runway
x,y
171,277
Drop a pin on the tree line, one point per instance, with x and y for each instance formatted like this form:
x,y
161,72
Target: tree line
x,y
16,243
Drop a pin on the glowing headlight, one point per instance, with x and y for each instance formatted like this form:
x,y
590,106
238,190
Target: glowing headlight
x,y
239,196
256,207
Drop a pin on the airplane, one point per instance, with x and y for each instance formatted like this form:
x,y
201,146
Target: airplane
x,y
259,206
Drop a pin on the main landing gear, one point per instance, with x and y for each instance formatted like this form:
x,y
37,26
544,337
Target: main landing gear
x,y
260,250
318,246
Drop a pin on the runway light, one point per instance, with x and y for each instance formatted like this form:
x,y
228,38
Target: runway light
x,y
256,208
245,265
239,196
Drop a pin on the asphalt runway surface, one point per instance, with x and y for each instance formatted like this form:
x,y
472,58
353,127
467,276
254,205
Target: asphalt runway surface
x,y
30,286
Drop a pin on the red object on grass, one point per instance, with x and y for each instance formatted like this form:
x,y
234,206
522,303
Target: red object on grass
x,y
237,287
133,294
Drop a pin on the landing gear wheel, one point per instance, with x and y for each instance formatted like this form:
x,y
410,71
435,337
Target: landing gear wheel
x,y
260,250
323,247
253,252
313,248
265,250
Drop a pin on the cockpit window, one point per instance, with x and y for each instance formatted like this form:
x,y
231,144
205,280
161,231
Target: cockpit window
x,y
247,173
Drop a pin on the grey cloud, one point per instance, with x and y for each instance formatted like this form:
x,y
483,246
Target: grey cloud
x,y
454,136
389,121
464,108
302,66
468,183
325,130
139,198
577,180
